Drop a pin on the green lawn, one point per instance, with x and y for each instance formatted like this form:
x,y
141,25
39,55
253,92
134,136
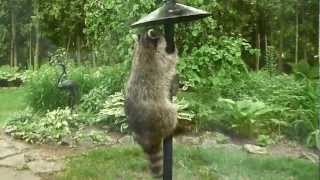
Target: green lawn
x,y
11,101
190,164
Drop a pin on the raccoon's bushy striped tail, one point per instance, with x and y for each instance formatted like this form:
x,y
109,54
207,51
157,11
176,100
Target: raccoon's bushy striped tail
x,y
156,161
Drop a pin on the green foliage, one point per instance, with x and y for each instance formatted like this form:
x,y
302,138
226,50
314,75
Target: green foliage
x,y
108,27
314,138
295,100
292,103
264,140
50,128
113,112
10,74
219,57
86,78
246,117
60,56
271,60
43,93
93,101
304,69
7,72
112,79
103,27
184,111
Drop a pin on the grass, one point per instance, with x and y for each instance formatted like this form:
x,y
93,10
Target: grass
x,y
12,100
191,163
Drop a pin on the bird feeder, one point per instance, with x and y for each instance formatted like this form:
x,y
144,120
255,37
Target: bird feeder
x,y
168,15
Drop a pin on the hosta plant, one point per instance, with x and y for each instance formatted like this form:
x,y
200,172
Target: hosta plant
x,y
52,127
246,117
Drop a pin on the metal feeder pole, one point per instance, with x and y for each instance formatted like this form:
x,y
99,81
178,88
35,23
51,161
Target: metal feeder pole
x,y
167,143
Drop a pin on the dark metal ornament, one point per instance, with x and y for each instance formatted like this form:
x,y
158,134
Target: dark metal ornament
x,y
70,86
171,12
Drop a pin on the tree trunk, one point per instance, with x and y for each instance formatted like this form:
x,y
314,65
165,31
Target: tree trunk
x,y
37,32
258,54
78,44
303,32
94,56
268,60
13,51
263,58
281,39
30,49
11,46
68,43
261,24
297,36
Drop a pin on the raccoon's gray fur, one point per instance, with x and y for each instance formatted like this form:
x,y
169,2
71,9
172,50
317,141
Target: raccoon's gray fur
x,y
151,114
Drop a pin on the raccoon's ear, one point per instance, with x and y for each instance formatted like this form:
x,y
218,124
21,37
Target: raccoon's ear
x,y
152,34
135,37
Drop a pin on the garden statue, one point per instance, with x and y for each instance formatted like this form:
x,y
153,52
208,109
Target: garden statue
x,y
70,86
151,114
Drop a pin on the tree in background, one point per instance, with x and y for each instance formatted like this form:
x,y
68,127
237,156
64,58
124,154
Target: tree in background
x,y
98,30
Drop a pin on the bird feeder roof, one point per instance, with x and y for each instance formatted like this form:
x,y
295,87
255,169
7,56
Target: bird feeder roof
x,y
171,13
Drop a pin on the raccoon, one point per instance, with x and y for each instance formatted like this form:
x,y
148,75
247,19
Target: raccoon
x,y
151,115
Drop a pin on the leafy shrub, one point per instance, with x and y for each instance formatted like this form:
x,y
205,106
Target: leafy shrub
x,y
94,100
113,41
43,93
246,117
296,100
294,103
264,140
271,60
86,77
184,111
314,138
112,79
220,57
51,128
113,112
304,69
7,72
11,75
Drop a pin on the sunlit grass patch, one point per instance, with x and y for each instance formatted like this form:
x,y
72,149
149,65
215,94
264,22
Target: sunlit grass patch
x,y
11,101
190,163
